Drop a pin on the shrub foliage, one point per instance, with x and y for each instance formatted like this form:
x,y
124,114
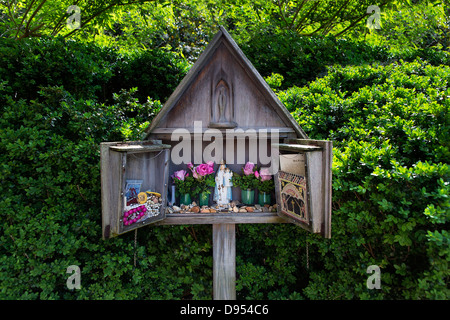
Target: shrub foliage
x,y
390,127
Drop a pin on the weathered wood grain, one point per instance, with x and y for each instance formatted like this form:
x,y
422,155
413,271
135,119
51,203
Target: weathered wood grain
x,y
319,181
218,218
224,262
297,147
121,161
251,102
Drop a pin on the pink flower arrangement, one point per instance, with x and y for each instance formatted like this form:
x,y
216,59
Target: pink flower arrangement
x,y
248,168
266,183
180,175
203,175
249,179
265,174
182,181
202,169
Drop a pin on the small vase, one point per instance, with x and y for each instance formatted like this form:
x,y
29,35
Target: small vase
x,y
263,198
185,199
204,199
172,201
248,196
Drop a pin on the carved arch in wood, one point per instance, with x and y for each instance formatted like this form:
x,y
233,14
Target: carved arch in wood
x,y
222,101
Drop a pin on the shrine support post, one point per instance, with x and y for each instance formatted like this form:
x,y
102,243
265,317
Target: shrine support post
x,y
224,262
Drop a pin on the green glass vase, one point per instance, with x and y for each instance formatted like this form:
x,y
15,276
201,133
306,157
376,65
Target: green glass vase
x,y
204,199
185,199
248,196
263,198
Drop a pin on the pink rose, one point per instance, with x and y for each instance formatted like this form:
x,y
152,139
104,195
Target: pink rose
x,y
248,169
210,165
180,175
256,174
203,169
193,169
265,174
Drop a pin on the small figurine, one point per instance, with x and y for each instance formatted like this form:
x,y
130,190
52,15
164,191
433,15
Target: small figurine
x,y
222,190
228,184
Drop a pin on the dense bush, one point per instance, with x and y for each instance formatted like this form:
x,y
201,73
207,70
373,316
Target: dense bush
x,y
155,72
50,190
51,212
303,59
27,65
390,126
87,70
390,185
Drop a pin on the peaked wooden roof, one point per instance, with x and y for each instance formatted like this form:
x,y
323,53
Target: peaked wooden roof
x,y
224,37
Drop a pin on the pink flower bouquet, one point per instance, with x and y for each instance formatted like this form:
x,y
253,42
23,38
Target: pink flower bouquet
x,y
204,178
249,178
265,181
182,181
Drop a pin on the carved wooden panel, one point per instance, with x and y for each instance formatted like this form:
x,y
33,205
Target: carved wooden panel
x,y
223,95
222,101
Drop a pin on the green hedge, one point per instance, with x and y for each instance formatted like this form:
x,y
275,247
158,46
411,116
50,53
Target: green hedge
x,y
303,59
87,70
390,126
390,185
50,190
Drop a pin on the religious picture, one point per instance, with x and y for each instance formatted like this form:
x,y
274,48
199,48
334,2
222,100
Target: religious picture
x,y
293,195
222,189
132,189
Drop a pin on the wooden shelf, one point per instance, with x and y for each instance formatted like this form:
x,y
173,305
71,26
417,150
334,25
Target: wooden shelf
x,y
221,217
135,148
235,133
296,147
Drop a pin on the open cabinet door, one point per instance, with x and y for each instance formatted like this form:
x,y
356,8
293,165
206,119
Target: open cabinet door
x,y
134,177
303,184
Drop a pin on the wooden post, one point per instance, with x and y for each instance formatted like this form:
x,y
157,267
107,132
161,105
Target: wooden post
x,y
224,262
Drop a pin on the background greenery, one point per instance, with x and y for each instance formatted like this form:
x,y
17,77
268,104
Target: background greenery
x,y
382,96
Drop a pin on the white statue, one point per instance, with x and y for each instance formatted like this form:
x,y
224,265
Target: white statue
x,y
228,184
222,190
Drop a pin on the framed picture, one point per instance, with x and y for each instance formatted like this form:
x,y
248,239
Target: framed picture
x,y
294,199
132,188
303,184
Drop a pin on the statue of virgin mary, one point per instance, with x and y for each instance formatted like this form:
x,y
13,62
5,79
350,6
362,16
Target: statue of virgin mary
x,y
222,189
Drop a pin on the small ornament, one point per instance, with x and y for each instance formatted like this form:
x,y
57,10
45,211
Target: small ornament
x,y
142,197
134,215
222,190
147,204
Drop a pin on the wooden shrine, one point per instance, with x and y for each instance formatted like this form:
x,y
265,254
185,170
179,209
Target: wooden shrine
x,y
222,110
